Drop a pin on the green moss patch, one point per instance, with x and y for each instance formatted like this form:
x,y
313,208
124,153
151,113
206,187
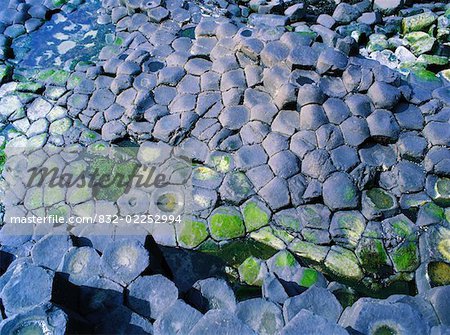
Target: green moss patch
x,y
439,273
372,255
268,237
343,263
309,277
249,271
254,216
190,233
285,259
406,257
236,252
309,251
380,198
385,330
226,223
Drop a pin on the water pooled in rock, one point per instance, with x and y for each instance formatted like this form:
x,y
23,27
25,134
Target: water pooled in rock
x,y
64,40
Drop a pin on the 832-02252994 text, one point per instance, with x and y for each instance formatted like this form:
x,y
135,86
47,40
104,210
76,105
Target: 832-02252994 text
x,y
106,219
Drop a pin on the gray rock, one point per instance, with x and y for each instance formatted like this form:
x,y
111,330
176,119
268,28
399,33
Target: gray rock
x,y
171,75
409,116
270,20
310,94
329,137
113,130
303,142
216,294
150,296
80,264
387,6
225,63
232,79
41,319
310,323
158,14
411,177
179,318
312,116
336,110
220,322
302,57
383,125
370,18
264,317
437,133
286,122
49,250
234,117
124,260
339,192
128,68
388,317
333,87
27,288
384,95
317,164
236,187
254,132
344,158
440,330
331,60
326,20
250,156
376,156
317,300
284,164
314,216
273,290
275,193
329,37
345,13
355,130
260,176
274,53
411,146
359,104
275,142
101,100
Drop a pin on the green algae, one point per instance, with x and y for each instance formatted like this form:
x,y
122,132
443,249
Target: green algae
x,y
254,216
191,233
372,255
418,22
384,330
309,251
249,271
6,72
285,259
204,173
119,175
268,237
439,273
226,223
405,257
343,263
380,198
309,278
234,253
